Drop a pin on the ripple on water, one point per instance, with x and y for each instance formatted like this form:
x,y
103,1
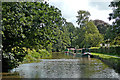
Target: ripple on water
x,y
66,68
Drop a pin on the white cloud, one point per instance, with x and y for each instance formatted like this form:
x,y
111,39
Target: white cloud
x,y
100,14
69,9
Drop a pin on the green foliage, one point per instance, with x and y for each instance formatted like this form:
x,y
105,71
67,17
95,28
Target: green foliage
x,y
89,35
115,15
102,26
111,61
27,24
62,39
71,33
76,47
112,50
92,36
35,56
83,17
31,29
114,31
110,34
116,40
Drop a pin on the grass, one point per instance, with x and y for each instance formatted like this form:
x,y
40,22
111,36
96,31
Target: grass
x,y
111,58
104,55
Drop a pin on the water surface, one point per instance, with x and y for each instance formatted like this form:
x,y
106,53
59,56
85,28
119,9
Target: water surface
x,y
64,66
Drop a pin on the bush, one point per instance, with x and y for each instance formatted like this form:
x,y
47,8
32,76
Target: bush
x,y
107,50
34,55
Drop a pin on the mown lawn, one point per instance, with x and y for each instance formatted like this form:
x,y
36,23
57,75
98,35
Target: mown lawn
x,y
113,59
105,55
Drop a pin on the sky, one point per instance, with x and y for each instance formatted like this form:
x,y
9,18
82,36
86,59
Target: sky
x,y
98,9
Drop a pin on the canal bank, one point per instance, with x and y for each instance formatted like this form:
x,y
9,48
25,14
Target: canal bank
x,y
111,61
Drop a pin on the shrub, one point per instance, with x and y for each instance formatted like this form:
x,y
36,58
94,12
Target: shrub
x,y
107,50
34,55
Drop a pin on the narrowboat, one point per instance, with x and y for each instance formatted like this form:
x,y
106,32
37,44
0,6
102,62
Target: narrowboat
x,y
83,52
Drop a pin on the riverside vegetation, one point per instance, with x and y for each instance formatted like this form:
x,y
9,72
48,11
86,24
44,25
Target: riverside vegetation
x,y
32,30
112,61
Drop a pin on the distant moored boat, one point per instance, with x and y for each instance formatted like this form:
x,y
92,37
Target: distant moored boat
x,y
78,52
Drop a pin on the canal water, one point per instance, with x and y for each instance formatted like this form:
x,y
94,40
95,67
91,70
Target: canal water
x,y
65,66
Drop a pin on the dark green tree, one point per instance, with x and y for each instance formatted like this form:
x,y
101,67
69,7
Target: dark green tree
x,y
27,25
115,15
88,35
102,26
72,32
62,39
110,34
83,17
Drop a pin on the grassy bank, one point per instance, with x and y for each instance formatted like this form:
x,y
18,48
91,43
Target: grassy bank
x,y
105,56
112,61
112,50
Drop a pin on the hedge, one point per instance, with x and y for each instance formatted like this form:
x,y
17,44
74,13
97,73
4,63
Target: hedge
x,y
106,50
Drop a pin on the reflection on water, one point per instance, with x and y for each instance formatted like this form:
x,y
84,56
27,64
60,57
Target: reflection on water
x,y
66,67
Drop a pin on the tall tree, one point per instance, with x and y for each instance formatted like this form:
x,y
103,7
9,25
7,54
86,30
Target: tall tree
x,y
62,37
71,30
89,36
83,17
102,26
27,24
88,33
115,15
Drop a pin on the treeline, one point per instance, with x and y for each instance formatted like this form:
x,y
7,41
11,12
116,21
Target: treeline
x,y
37,27
111,33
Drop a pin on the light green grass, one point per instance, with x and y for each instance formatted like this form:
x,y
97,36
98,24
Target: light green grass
x,y
103,55
110,58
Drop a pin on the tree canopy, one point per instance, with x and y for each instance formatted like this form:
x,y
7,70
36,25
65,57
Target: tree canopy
x,y
27,24
115,15
83,17
88,33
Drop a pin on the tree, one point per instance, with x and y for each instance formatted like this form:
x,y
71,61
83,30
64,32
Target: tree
x,y
110,34
62,38
88,33
115,15
72,32
102,26
82,18
116,40
27,25
89,36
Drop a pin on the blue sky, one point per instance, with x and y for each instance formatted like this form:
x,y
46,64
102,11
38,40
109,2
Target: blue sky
x,y
98,9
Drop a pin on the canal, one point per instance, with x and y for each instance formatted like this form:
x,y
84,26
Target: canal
x,y
64,66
